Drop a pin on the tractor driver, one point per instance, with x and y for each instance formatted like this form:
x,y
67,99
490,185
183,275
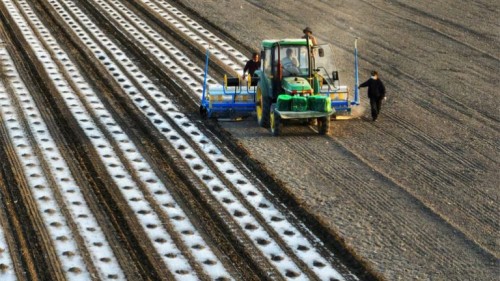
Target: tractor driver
x,y
290,64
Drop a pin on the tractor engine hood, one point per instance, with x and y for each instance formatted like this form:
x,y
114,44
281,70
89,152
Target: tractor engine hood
x,y
296,85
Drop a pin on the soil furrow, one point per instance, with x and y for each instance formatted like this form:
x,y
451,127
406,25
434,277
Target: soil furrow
x,y
136,85
479,216
454,194
433,92
134,117
430,19
54,186
22,261
122,18
155,121
479,105
421,71
387,202
412,195
149,14
88,157
35,244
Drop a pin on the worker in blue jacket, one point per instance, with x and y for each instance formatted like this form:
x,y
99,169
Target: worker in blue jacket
x,y
376,93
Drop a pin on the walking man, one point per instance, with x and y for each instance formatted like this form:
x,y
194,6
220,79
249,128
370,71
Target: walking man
x,y
376,93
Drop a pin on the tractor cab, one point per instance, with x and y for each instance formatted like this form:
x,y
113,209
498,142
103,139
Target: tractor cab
x,y
286,66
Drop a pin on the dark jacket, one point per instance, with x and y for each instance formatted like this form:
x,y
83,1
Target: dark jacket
x,y
251,66
376,89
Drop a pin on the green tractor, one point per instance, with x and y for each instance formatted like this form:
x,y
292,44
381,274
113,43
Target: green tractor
x,y
290,86
296,81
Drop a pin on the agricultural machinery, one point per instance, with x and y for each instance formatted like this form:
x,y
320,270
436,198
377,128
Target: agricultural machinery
x,y
296,81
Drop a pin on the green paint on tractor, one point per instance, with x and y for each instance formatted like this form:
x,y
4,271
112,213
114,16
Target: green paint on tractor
x,y
296,85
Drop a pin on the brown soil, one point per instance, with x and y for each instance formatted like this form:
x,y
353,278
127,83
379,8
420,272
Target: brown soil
x,y
415,194
411,196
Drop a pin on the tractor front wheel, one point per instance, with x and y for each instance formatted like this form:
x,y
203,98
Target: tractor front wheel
x,y
275,122
323,125
263,108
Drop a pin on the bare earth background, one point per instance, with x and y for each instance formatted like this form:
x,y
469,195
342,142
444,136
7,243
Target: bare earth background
x,y
416,193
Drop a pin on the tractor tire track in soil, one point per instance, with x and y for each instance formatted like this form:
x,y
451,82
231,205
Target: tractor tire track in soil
x,y
436,145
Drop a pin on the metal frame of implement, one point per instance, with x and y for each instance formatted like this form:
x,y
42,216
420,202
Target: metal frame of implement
x,y
229,100
340,95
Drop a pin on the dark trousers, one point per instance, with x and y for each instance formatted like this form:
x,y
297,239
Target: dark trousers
x,y
375,104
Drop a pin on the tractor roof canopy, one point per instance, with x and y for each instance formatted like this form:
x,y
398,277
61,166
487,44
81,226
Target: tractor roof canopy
x,y
269,43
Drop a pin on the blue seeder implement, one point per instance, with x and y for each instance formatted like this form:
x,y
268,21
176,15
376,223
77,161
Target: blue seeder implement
x,y
232,99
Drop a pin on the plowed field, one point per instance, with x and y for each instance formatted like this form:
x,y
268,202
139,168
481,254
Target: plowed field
x,y
109,173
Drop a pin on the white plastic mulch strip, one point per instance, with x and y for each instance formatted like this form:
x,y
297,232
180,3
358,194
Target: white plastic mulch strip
x,y
64,243
101,252
189,235
291,235
164,51
295,241
197,32
261,238
7,272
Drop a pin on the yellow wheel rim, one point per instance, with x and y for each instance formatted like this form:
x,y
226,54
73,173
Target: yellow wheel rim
x,y
258,107
271,121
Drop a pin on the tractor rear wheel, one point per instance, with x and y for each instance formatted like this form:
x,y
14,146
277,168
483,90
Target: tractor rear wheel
x,y
263,108
275,122
323,125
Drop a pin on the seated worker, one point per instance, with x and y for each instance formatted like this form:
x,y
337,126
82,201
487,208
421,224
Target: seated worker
x,y
252,65
290,64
